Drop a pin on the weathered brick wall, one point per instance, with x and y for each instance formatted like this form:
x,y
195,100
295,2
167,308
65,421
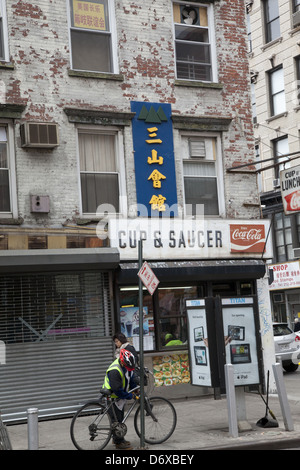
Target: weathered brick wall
x,y
39,49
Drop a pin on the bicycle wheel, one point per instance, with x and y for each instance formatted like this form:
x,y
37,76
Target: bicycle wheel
x,y
160,422
90,427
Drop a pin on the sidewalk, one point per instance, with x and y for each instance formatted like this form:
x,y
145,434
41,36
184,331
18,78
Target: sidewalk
x,y
202,424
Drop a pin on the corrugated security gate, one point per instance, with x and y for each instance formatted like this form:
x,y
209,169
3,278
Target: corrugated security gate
x,y
56,328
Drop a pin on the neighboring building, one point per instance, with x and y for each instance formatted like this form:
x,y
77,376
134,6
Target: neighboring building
x,y
274,52
94,95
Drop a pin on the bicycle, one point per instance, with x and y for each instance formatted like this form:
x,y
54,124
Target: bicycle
x,y
92,426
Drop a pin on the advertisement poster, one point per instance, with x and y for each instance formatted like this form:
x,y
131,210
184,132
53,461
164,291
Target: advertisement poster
x,y
171,370
290,189
129,317
285,275
240,339
198,345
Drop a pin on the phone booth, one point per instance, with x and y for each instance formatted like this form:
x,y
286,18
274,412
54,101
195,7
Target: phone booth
x,y
224,331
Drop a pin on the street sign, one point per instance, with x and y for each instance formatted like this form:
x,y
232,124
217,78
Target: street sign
x,y
148,278
290,189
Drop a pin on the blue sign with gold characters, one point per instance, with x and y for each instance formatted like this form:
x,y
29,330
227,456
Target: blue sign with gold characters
x,y
154,159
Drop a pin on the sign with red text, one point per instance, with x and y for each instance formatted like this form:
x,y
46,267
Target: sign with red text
x,y
290,189
250,238
190,239
286,275
148,278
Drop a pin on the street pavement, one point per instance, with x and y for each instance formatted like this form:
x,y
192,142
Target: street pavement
x,y
202,424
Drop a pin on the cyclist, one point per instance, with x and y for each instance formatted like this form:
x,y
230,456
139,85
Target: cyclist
x,y
119,379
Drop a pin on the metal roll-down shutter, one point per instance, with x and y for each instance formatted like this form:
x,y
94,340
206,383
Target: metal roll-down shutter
x,y
56,330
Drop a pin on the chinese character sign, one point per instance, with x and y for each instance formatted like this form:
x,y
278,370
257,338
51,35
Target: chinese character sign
x,y
154,158
89,15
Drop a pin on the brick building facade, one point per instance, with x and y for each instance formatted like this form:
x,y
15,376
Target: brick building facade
x,y
80,65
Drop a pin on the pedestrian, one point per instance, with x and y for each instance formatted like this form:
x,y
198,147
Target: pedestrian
x,y
121,342
171,340
119,379
297,325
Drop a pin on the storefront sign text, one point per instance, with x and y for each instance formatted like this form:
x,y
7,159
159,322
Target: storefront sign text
x,y
286,275
290,189
186,239
248,238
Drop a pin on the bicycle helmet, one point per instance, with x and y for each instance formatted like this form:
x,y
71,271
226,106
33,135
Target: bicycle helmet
x,y
127,359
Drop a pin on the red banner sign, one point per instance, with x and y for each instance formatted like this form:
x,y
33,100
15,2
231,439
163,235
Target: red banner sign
x,y
247,238
293,201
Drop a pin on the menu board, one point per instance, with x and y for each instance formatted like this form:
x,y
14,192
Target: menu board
x,y
172,369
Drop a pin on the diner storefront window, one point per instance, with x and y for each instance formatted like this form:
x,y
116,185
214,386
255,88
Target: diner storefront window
x,y
129,317
172,315
164,313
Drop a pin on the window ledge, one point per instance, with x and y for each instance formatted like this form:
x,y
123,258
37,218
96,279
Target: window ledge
x,y
271,43
11,110
294,30
10,221
99,75
99,117
6,65
195,83
270,119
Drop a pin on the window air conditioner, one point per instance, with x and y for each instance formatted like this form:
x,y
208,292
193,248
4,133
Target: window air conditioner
x,y
278,298
276,183
296,19
39,134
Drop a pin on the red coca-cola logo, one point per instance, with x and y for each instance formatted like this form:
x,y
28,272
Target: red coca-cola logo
x,y
247,238
293,201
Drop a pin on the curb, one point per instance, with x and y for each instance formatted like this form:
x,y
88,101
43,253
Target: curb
x,y
283,443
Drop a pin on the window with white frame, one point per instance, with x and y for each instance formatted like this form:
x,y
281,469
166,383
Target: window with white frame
x,y
280,148
4,55
91,35
7,172
296,5
193,30
201,175
277,93
272,20
101,169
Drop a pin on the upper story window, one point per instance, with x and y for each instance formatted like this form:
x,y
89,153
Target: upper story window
x,y
272,20
280,148
253,101
297,69
101,169
193,29
7,172
4,54
277,94
296,5
201,175
92,36
249,31
283,237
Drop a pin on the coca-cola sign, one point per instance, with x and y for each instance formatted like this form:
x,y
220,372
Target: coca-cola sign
x,y
290,189
247,238
293,201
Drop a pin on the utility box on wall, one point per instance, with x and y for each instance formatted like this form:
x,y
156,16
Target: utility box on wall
x,y
40,204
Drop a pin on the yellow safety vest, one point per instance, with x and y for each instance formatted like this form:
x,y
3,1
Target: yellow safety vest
x,y
114,366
